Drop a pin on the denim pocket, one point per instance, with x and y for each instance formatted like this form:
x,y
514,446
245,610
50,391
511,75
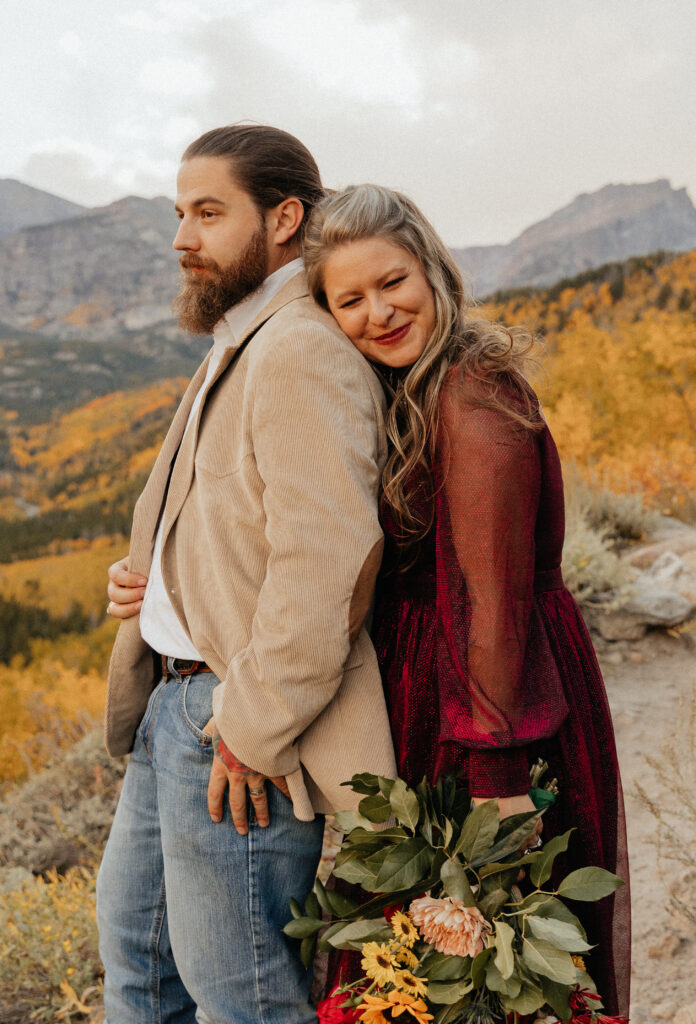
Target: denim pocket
x,y
146,720
196,703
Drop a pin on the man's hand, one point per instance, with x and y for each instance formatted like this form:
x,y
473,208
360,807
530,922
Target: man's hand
x,y
238,778
126,591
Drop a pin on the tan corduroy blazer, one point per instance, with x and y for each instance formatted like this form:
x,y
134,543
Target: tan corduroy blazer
x,y
271,545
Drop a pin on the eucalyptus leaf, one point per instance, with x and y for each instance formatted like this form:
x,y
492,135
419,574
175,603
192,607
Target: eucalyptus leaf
x,y
339,904
491,903
375,808
312,907
478,965
497,983
504,957
456,883
557,996
348,820
356,872
353,935
507,845
553,908
494,867
322,896
448,992
307,949
295,909
589,884
405,804
543,958
363,782
386,785
529,999
560,934
449,832
301,927
447,967
324,944
404,865
540,871
478,831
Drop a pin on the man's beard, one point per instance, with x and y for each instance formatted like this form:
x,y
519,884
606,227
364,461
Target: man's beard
x,y
202,302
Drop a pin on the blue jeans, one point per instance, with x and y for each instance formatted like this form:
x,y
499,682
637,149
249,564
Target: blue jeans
x,y
189,912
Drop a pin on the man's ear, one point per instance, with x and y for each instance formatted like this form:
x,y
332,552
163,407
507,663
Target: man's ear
x,y
284,220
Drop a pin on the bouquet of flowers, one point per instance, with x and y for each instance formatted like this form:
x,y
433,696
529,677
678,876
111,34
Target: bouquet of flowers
x,y
448,936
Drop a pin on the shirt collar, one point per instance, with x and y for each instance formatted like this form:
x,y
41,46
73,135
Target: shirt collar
x,y
231,327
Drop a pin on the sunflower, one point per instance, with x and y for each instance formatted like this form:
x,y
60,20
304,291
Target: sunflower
x,y
404,928
408,982
379,962
407,957
579,962
402,1002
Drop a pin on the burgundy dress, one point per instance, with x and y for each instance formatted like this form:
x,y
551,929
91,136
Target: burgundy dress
x,y
487,663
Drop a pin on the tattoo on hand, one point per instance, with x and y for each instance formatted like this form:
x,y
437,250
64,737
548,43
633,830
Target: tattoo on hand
x,y
230,762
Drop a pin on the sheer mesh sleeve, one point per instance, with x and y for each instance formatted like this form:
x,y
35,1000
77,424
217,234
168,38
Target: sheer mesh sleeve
x,y
499,688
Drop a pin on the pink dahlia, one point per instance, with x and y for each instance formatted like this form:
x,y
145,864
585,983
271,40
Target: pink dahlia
x,y
450,926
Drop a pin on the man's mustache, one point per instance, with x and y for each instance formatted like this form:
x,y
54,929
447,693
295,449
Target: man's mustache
x,y
189,262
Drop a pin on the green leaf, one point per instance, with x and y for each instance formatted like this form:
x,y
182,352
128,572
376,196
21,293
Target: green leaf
x,y
352,936
348,820
322,896
404,803
553,908
560,934
513,822
307,950
504,957
540,871
386,785
295,909
449,832
494,867
446,967
557,997
589,884
355,870
404,865
497,983
478,831
491,904
324,939
509,844
448,992
456,883
478,966
339,905
529,999
312,906
363,782
543,958
375,808
301,927
361,837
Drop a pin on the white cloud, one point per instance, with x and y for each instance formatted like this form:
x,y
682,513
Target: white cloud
x,y
70,43
173,76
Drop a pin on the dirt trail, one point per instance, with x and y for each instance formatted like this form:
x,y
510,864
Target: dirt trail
x,y
644,691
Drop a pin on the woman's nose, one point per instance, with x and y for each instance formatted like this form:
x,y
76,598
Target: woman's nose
x,y
380,311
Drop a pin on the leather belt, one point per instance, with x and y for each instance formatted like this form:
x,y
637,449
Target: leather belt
x,y
182,667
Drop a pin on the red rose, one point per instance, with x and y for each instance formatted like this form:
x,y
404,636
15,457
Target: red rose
x,y
329,1010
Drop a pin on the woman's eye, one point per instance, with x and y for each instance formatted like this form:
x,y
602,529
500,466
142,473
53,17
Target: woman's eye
x,y
395,280
349,303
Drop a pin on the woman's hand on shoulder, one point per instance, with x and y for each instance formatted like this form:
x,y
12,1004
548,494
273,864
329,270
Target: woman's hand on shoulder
x,y
126,591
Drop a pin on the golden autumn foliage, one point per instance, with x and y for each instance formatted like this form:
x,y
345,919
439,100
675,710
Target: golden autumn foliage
x,y
618,380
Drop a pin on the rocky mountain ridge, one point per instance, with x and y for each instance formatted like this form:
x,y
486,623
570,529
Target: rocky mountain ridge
x,y
110,273
612,224
22,206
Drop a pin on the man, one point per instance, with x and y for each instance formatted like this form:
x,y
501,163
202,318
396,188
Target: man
x,y
257,533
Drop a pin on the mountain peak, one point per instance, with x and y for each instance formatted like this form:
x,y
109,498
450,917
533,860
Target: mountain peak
x,y
23,206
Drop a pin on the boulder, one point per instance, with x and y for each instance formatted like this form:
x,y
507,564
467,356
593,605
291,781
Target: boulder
x,y
655,605
671,571
621,626
681,542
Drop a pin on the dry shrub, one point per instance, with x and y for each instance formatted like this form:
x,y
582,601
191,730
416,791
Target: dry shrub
x,y
592,571
675,812
621,515
49,961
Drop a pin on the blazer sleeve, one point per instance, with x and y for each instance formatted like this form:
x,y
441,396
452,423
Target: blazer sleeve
x,y
318,443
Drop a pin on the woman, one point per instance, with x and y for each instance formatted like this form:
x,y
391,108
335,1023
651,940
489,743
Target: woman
x,y
486,661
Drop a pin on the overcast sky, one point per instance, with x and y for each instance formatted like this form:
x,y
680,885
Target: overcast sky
x,y
489,113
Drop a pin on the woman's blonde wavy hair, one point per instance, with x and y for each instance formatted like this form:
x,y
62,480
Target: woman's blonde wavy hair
x,y
490,353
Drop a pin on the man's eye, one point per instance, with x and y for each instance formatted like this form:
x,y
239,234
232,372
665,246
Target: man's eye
x,y
207,214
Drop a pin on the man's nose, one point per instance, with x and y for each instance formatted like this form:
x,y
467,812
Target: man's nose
x,y
186,238
380,311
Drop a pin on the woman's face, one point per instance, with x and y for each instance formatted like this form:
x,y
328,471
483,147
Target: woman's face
x,y
381,299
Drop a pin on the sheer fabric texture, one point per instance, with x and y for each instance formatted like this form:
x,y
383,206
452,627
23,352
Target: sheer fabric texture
x,y
486,661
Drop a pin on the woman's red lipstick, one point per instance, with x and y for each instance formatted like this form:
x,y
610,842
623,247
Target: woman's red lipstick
x,y
397,335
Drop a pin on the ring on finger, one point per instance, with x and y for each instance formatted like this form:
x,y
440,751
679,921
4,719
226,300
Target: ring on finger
x,y
534,846
257,792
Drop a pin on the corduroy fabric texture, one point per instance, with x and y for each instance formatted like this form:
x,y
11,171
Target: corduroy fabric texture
x,y
271,544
